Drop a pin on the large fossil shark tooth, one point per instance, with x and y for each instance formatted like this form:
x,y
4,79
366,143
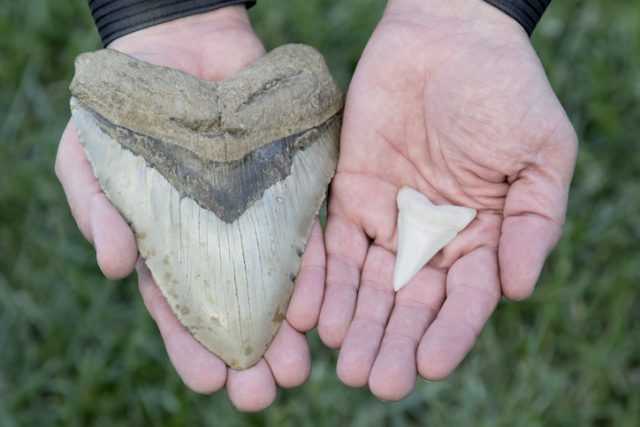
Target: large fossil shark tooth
x,y
220,181
423,229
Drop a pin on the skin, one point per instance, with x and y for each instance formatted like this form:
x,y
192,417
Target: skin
x,y
211,46
448,98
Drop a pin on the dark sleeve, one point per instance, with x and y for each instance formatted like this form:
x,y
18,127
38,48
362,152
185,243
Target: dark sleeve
x,y
526,12
115,18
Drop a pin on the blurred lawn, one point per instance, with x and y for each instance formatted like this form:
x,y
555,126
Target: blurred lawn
x,y
78,350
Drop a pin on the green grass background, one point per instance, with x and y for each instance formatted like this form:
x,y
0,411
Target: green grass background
x,y
79,350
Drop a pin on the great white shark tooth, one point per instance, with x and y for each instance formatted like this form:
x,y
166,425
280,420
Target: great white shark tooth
x,y
423,229
220,181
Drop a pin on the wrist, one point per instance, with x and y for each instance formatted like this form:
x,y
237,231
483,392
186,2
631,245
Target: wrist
x,y
116,18
526,12
462,14
209,26
221,40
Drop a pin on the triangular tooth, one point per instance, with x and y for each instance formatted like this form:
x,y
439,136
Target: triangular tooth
x,y
423,229
417,246
220,181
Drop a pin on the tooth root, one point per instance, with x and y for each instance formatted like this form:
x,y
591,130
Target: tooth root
x,y
423,229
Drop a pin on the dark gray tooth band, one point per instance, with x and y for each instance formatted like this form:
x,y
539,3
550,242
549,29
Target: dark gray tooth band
x,y
225,188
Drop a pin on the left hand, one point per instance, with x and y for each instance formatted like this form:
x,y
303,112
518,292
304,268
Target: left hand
x,y
450,99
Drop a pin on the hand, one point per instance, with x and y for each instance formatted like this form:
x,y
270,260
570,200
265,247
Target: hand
x,y
450,99
212,46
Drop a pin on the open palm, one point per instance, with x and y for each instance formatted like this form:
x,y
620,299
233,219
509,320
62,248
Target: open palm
x,y
212,46
464,114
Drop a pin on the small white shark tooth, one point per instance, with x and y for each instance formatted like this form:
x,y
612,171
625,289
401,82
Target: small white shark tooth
x,y
220,181
423,229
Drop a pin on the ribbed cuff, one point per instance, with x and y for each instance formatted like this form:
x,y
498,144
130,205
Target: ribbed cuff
x,y
115,18
526,12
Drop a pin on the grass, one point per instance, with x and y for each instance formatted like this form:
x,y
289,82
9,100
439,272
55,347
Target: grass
x,y
78,350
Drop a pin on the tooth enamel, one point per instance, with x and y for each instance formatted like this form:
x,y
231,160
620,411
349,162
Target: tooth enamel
x,y
221,181
423,229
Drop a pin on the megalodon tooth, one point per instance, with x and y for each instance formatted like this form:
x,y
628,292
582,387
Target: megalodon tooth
x,y
220,181
423,229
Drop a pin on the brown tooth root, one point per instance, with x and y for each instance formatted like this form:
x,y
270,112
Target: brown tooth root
x,y
220,181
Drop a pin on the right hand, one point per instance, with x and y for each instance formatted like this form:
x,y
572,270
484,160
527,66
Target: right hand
x,y
212,46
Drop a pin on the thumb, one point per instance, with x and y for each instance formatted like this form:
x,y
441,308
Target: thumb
x,y
534,214
97,219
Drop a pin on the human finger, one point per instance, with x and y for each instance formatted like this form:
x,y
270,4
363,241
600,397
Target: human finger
x,y
374,304
252,389
199,369
97,219
288,357
534,215
393,375
473,291
346,246
306,300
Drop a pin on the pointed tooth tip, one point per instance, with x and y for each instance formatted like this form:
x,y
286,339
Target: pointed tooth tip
x,y
397,285
398,281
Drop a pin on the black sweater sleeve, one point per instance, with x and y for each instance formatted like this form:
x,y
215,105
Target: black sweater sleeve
x,y
526,12
115,18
